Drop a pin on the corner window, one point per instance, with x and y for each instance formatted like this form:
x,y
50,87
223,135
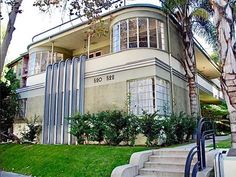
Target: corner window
x,y
38,61
138,32
150,94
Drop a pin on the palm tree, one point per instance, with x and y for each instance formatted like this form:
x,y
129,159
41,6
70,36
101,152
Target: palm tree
x,y
188,13
224,18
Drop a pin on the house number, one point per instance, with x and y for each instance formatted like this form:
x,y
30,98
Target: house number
x,y
107,78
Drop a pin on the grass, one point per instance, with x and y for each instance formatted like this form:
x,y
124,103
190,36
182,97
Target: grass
x,y
64,160
223,144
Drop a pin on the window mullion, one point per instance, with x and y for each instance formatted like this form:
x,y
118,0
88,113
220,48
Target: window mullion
x,y
119,47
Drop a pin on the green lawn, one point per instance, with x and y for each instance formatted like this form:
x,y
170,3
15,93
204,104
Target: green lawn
x,y
223,144
64,160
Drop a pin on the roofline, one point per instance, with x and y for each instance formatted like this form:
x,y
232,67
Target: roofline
x,y
198,45
85,22
17,59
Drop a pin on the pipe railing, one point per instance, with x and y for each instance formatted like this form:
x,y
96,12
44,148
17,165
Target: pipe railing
x,y
205,129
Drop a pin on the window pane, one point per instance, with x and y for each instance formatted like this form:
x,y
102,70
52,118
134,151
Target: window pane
x,y
161,38
162,97
152,32
123,34
37,63
132,33
44,61
141,96
31,64
19,68
116,38
142,25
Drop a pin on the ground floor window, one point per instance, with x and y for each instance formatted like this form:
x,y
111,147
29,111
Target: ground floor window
x,y
22,108
149,94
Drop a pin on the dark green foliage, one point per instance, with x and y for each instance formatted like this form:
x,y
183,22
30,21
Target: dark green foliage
x,y
80,126
151,127
33,131
98,127
132,129
178,128
9,106
116,127
113,127
219,115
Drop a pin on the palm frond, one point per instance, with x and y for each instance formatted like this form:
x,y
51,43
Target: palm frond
x,y
206,30
200,13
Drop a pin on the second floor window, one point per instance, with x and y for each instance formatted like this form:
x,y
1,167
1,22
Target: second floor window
x,y
138,33
38,61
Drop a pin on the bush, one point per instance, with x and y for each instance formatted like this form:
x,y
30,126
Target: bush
x,y
116,124
151,127
80,127
33,131
115,127
178,128
98,127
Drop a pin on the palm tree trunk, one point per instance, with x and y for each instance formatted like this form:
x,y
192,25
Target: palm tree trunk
x,y
224,21
189,66
9,31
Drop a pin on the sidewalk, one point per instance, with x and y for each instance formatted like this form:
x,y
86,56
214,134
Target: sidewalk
x,y
208,142
9,174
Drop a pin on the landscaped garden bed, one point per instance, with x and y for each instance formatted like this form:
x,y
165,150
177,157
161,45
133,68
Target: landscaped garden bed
x,y
64,160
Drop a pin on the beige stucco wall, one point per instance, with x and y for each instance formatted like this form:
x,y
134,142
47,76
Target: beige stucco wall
x,y
106,97
35,107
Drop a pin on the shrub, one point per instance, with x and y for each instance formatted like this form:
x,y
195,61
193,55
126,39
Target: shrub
x,y
98,127
116,124
33,131
80,127
151,127
177,127
132,129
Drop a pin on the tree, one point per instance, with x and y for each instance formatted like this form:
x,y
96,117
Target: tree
x,y
224,18
188,14
9,106
15,9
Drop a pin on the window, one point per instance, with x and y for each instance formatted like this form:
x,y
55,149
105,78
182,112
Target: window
x,y
149,95
142,96
116,37
132,33
22,106
38,61
19,69
142,28
123,34
138,32
153,32
161,38
95,54
162,96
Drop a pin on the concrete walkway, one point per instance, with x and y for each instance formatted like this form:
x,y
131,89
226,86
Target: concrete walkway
x,y
208,142
9,174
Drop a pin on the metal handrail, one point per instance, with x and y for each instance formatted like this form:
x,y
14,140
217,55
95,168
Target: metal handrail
x,y
199,149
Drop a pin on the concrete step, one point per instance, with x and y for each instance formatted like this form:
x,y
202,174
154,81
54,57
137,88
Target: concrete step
x,y
170,159
165,166
166,151
161,173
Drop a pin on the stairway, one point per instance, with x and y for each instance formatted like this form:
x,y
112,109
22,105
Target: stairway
x,y
166,163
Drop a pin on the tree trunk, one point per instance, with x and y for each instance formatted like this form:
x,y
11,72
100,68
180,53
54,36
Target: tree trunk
x,y
224,21
190,69
9,31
